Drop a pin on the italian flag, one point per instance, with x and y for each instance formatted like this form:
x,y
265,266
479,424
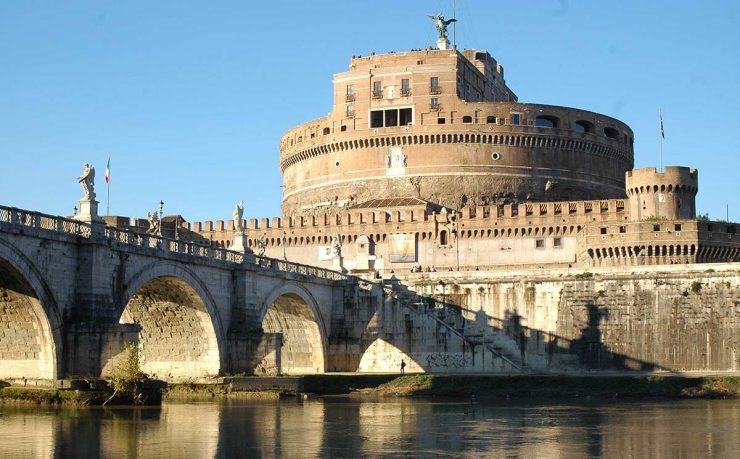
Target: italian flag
x,y
107,171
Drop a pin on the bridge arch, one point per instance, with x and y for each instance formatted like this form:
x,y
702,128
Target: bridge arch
x,y
30,322
180,336
291,309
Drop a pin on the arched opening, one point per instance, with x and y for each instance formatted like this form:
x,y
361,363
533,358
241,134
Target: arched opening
x,y
292,313
443,237
27,345
546,121
177,337
467,119
611,133
584,126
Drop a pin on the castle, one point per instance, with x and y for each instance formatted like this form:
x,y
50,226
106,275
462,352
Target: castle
x,y
428,162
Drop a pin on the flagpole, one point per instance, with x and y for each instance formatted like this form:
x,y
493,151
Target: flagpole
x,y
107,182
454,27
660,133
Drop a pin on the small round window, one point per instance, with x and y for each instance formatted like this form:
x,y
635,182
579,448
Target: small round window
x,y
336,164
495,156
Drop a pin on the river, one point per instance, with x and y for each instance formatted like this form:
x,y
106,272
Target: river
x,y
335,427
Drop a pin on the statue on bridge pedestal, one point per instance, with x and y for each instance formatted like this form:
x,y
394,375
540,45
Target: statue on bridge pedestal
x,y
154,226
87,181
239,217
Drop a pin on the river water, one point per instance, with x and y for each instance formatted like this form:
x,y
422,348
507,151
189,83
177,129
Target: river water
x,y
398,428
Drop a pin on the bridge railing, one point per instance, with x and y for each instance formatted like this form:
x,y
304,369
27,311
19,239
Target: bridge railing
x,y
44,221
152,241
290,267
128,237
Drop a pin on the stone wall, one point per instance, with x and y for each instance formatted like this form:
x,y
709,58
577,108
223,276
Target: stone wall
x,y
676,318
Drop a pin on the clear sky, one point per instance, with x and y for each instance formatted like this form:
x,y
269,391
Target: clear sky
x,y
189,98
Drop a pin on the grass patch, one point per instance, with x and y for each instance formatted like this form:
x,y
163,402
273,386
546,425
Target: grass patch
x,y
562,386
19,395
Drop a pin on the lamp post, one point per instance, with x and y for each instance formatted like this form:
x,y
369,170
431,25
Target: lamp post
x,y
161,211
455,231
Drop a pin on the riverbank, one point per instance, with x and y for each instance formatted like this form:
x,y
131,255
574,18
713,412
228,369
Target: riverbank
x,y
522,387
65,397
422,385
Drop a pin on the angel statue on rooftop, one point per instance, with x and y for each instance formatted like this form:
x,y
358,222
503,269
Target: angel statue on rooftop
x,y
441,24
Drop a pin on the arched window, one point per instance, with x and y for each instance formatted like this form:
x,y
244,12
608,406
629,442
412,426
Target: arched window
x,y
584,126
611,133
491,119
546,121
443,237
327,131
467,119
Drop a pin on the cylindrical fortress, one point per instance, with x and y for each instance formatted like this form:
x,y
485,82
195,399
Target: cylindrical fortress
x,y
443,126
669,195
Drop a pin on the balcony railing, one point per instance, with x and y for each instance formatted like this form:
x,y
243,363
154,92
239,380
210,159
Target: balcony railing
x,y
350,113
405,92
435,90
377,94
349,98
435,107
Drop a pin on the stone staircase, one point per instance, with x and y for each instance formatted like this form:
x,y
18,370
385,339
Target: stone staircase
x,y
493,340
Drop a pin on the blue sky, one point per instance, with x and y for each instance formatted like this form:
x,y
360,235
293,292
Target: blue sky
x,y
190,97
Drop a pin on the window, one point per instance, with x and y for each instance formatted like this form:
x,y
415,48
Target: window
x,y
731,229
441,121
611,133
604,230
467,119
490,119
405,87
516,118
376,118
350,110
584,126
546,121
557,242
677,227
350,93
377,90
405,117
656,227
327,131
622,229
343,128
539,243
391,117
434,85
435,103
443,237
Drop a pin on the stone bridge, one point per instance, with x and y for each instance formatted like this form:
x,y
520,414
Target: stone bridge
x,y
72,294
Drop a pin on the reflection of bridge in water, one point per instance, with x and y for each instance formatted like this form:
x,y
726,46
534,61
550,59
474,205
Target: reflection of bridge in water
x,y
73,293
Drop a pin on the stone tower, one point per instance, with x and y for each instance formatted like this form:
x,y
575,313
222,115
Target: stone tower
x,y
663,195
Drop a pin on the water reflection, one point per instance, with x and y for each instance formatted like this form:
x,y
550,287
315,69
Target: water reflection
x,y
398,428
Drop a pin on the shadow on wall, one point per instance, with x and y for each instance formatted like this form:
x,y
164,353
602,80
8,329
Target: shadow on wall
x,y
525,345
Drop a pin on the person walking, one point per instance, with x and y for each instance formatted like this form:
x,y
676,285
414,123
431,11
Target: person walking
x,y
403,366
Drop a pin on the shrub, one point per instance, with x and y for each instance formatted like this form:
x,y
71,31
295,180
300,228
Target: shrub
x,y
126,378
696,287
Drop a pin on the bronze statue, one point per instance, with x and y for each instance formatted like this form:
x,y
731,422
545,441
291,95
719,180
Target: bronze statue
x,y
441,24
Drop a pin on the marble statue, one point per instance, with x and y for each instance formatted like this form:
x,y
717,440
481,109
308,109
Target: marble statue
x,y
441,24
87,181
154,227
261,245
238,217
336,246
